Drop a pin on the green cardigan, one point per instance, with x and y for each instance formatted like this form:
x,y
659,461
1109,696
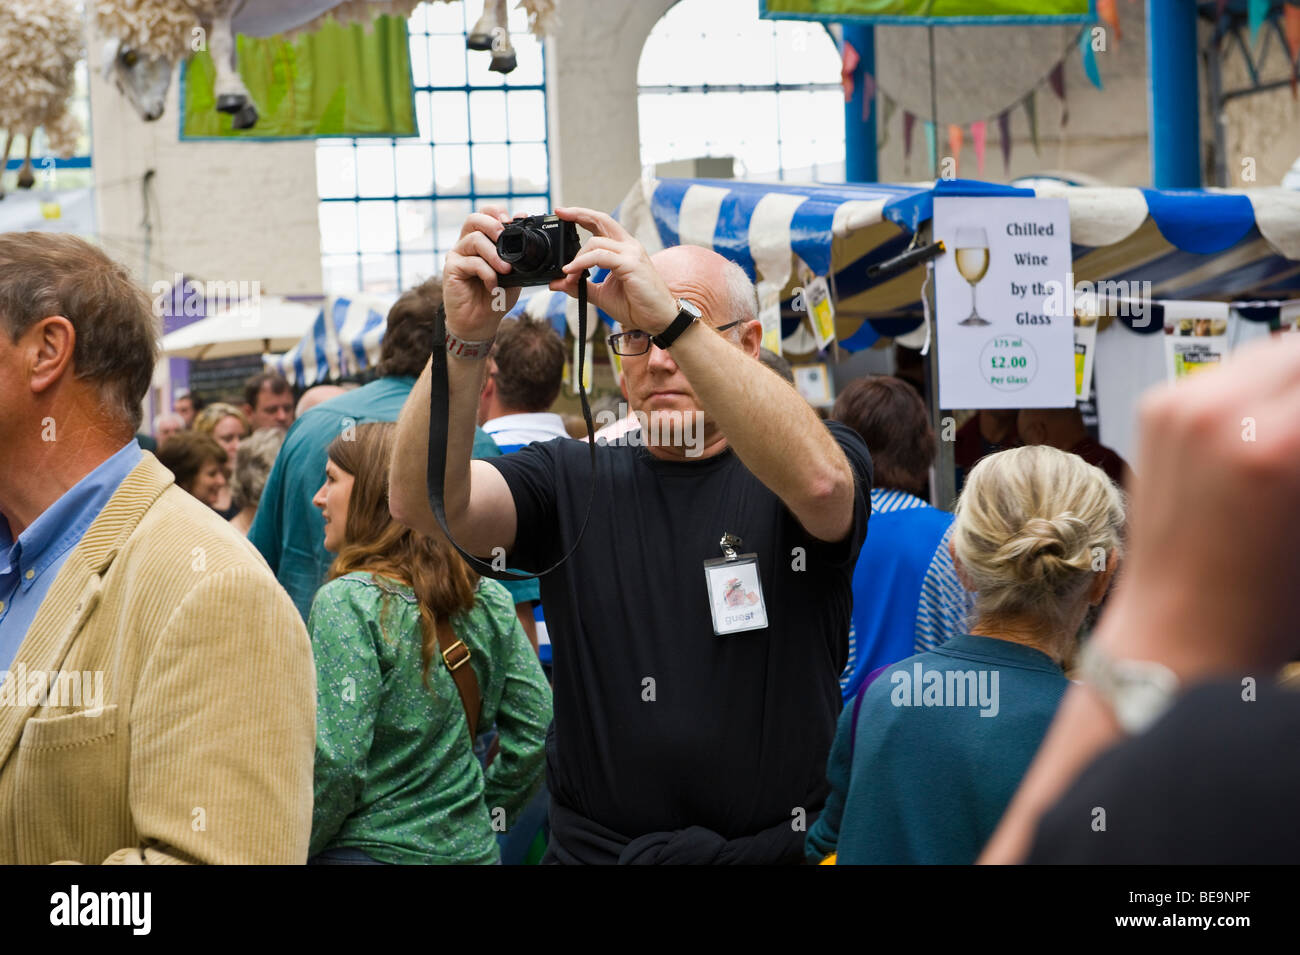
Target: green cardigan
x,y
396,775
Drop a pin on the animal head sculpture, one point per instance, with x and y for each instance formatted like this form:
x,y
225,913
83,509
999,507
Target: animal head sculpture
x,y
141,77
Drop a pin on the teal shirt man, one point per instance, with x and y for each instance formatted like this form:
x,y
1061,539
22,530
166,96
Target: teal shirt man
x,y
942,741
288,529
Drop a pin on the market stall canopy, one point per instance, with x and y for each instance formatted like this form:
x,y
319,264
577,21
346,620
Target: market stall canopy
x,y
340,340
248,328
1218,245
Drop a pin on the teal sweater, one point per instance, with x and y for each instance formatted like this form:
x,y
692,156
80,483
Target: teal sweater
x,y
288,528
943,740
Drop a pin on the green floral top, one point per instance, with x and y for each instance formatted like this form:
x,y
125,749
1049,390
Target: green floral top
x,y
396,775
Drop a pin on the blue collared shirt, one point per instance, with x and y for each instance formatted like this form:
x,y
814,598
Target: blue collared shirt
x,y
29,565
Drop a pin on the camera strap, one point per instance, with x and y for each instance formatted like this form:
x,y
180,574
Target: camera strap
x,y
439,409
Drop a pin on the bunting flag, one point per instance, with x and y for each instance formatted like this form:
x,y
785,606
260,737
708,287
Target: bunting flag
x,y
1257,13
978,130
1291,31
956,136
1220,7
1108,13
930,146
1089,58
887,107
1056,80
1004,138
1031,113
868,95
848,66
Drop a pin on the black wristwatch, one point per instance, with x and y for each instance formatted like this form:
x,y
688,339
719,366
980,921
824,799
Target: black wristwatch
x,y
687,312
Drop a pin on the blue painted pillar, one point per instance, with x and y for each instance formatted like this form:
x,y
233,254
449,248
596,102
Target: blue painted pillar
x,y
859,136
1174,96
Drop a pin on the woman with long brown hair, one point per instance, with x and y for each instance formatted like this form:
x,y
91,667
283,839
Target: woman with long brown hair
x,y
397,780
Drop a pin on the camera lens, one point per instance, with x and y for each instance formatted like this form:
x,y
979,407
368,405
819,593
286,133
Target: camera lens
x,y
526,249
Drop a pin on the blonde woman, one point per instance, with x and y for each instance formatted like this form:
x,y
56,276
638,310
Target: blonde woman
x,y
228,426
928,755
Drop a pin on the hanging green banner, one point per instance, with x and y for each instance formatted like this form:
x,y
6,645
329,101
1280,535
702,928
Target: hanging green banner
x,y
951,12
335,81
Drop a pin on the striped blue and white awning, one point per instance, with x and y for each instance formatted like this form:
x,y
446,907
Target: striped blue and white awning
x,y
1221,245
344,340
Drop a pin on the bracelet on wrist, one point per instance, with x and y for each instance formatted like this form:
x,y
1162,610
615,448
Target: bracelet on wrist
x,y
467,350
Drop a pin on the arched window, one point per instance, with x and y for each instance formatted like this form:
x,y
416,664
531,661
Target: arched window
x,y
716,81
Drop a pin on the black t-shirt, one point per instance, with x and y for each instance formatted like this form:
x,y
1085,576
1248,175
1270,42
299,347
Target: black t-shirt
x,y
1215,781
739,727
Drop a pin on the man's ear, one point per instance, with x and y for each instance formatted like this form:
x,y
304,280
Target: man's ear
x,y
248,410
751,337
51,342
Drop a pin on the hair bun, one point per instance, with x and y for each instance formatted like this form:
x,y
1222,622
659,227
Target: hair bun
x,y
1045,548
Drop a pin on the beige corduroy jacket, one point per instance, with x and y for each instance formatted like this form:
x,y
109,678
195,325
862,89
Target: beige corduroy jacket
x,y
162,707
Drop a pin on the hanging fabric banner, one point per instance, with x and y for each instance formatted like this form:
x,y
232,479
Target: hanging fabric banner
x,y
956,136
1108,12
930,146
978,130
1056,79
847,68
887,107
1257,13
1089,58
1291,30
868,95
1004,139
909,122
932,12
1031,113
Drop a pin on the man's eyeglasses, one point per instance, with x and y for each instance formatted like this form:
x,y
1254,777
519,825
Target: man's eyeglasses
x,y
634,343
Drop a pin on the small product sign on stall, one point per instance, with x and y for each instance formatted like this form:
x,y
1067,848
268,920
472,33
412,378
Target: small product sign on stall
x,y
1196,337
1001,343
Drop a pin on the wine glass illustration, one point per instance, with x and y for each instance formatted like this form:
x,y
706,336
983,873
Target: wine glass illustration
x,y
972,262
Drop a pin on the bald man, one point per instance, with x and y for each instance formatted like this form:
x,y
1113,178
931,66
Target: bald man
x,y
696,682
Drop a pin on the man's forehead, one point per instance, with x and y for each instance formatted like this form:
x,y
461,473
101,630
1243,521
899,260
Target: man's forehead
x,y
697,274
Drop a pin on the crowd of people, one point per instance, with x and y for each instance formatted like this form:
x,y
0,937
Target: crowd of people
x,y
752,639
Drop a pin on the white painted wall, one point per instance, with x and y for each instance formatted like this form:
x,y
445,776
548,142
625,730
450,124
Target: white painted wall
x,y
219,211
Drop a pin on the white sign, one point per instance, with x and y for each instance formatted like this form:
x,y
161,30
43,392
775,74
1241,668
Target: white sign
x,y
1196,337
1002,344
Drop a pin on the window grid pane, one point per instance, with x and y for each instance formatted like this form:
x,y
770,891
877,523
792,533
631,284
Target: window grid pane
x,y
391,209
717,81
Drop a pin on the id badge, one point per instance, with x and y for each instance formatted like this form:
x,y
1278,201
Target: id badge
x,y
735,591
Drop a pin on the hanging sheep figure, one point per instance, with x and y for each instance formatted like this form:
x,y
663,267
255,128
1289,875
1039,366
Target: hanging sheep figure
x,y
40,45
490,32
148,37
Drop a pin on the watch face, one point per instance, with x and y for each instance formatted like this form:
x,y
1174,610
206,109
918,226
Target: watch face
x,y
689,307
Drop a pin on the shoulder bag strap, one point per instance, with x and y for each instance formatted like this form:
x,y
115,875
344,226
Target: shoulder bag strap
x,y
456,656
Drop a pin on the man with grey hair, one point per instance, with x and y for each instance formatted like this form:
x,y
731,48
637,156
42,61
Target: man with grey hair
x,y
123,606
701,624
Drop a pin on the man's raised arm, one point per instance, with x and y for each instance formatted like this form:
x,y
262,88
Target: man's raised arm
x,y
770,426
480,510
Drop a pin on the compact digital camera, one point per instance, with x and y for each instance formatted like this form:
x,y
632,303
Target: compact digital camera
x,y
537,248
